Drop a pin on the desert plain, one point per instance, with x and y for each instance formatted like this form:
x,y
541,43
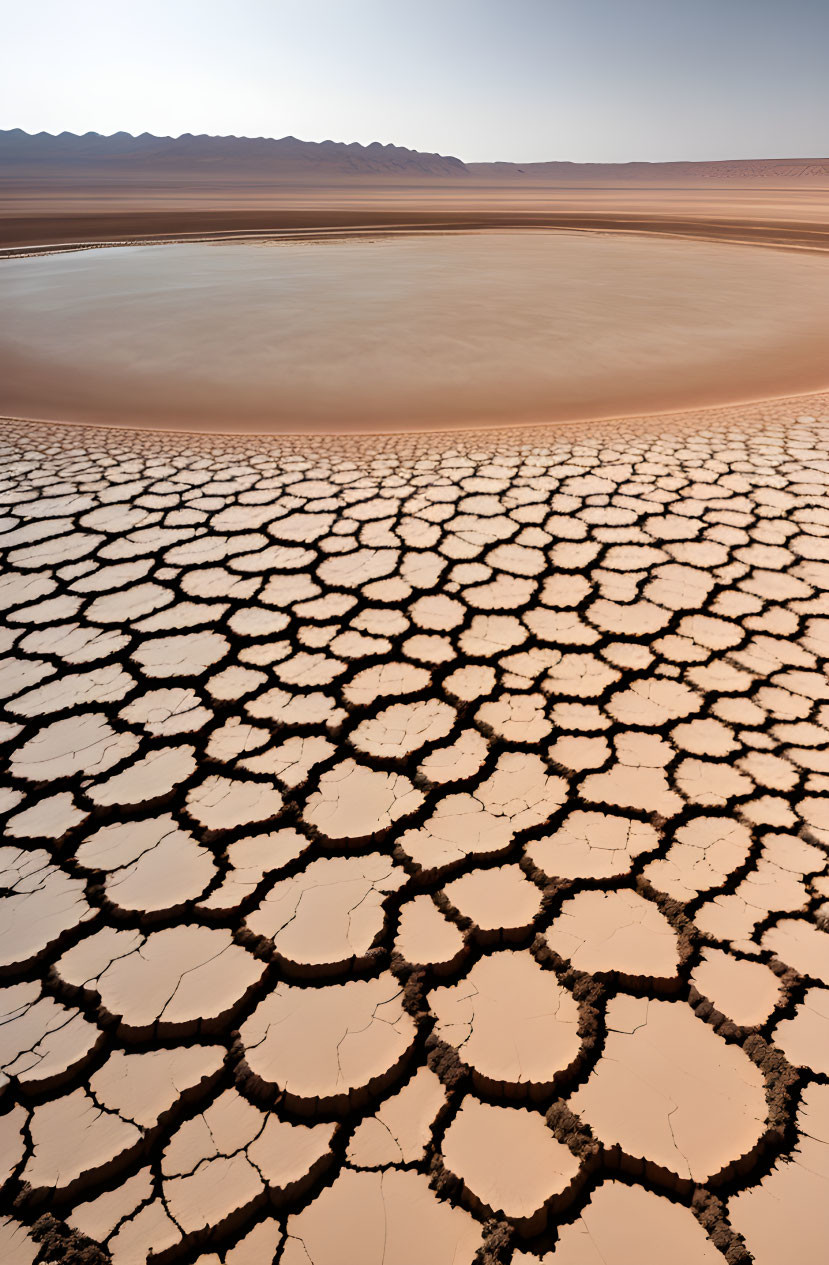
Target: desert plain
x,y
416,843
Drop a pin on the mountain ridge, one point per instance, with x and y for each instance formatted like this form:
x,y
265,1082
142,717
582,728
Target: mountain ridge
x,y
241,153
266,160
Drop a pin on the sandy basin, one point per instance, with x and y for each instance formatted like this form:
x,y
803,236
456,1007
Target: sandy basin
x,y
407,332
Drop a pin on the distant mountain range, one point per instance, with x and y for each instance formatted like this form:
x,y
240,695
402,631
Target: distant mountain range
x,y
261,162
744,171
206,155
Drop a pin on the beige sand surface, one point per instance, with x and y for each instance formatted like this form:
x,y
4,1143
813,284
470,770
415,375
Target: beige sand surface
x,y
37,216
417,846
402,332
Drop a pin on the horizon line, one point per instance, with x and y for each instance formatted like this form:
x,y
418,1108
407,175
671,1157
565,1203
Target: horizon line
x,y
510,162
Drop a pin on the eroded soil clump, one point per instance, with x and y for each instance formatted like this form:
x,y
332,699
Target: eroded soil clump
x,y
417,848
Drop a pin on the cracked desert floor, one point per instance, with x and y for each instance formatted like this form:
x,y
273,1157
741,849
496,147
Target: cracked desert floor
x,y
416,847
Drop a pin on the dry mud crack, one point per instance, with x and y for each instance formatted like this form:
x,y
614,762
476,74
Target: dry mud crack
x,y
417,848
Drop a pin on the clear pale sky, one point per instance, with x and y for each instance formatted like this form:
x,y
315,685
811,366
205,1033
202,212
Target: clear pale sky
x,y
522,80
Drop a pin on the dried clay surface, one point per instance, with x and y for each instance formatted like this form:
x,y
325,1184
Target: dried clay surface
x,y
416,849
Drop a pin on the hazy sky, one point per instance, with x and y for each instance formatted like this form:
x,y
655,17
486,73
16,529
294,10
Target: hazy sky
x,y
524,80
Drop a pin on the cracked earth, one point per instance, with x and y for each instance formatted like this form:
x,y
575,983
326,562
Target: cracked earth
x,y
417,848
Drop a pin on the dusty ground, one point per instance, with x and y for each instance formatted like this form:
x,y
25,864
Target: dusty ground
x,y
32,216
417,847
